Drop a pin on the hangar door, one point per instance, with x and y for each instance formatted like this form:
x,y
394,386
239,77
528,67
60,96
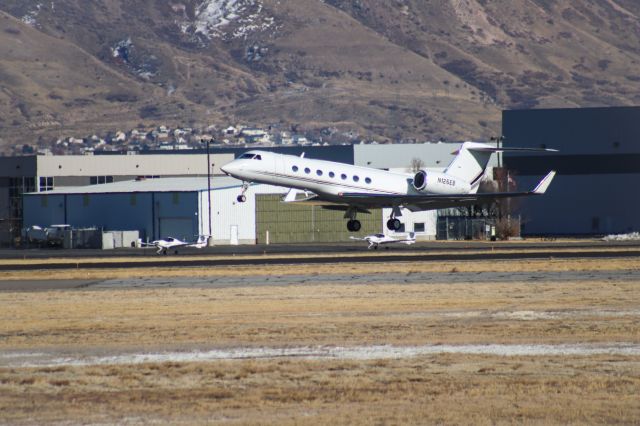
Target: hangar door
x,y
181,227
299,223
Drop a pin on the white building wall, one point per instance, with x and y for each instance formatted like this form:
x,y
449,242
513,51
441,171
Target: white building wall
x,y
409,219
130,165
233,222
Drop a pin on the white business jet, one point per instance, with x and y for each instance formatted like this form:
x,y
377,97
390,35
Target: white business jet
x,y
376,240
355,189
174,244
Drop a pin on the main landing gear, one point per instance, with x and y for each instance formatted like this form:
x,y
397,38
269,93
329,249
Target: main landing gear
x,y
242,198
394,224
353,225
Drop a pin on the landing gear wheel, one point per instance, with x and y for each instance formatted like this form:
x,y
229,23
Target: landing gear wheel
x,y
394,224
354,225
242,198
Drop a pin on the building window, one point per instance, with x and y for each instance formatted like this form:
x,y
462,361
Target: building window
x,y
46,183
294,168
418,227
368,180
97,180
319,172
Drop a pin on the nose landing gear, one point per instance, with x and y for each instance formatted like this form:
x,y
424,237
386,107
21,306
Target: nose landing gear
x,y
242,198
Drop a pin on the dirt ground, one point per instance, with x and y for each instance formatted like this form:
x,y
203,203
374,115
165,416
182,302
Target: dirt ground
x,y
454,388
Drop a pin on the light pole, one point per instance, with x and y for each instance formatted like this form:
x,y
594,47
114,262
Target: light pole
x,y
210,237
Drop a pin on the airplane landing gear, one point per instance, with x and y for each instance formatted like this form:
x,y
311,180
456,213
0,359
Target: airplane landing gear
x,y
394,224
242,198
354,225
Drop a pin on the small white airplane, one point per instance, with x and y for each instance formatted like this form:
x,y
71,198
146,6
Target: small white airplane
x,y
355,189
170,243
376,240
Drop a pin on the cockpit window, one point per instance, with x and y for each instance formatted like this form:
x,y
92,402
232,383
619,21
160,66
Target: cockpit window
x,y
250,156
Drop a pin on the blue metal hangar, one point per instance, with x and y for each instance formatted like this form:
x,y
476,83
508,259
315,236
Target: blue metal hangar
x,y
598,165
157,208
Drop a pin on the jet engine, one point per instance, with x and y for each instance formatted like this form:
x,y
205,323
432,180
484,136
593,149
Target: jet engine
x,y
439,183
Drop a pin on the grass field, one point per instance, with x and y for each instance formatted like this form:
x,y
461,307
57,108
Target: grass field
x,y
453,388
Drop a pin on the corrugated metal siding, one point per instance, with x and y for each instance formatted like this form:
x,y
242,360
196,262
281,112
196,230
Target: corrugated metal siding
x,y
298,223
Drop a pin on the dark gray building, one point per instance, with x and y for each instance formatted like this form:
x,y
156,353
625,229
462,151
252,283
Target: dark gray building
x,y
598,164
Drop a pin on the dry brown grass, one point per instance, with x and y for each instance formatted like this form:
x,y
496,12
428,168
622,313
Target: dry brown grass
x,y
458,389
452,389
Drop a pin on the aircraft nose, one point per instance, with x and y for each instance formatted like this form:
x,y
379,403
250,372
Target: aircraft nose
x,y
229,168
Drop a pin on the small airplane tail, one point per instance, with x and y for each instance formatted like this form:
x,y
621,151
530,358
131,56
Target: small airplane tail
x,y
411,238
472,158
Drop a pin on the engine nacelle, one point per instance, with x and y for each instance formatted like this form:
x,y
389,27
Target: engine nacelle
x,y
439,183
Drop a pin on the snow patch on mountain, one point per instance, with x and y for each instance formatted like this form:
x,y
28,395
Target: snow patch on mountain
x,y
30,18
227,19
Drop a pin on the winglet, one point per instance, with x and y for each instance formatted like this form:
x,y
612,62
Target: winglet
x,y
544,183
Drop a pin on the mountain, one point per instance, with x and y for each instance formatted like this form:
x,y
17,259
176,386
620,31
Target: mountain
x,y
377,69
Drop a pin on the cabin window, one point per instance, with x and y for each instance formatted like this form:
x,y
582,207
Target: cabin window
x,y
356,178
343,176
319,172
331,174
307,170
368,180
294,168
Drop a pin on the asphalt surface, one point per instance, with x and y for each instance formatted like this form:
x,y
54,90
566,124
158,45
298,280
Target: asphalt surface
x,y
324,253
310,279
348,247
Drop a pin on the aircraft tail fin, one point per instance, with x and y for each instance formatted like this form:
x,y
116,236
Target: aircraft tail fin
x,y
472,158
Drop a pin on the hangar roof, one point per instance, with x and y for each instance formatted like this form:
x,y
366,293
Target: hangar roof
x,y
178,184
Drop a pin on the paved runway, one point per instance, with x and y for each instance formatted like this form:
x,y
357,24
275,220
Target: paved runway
x,y
177,261
311,248
306,279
